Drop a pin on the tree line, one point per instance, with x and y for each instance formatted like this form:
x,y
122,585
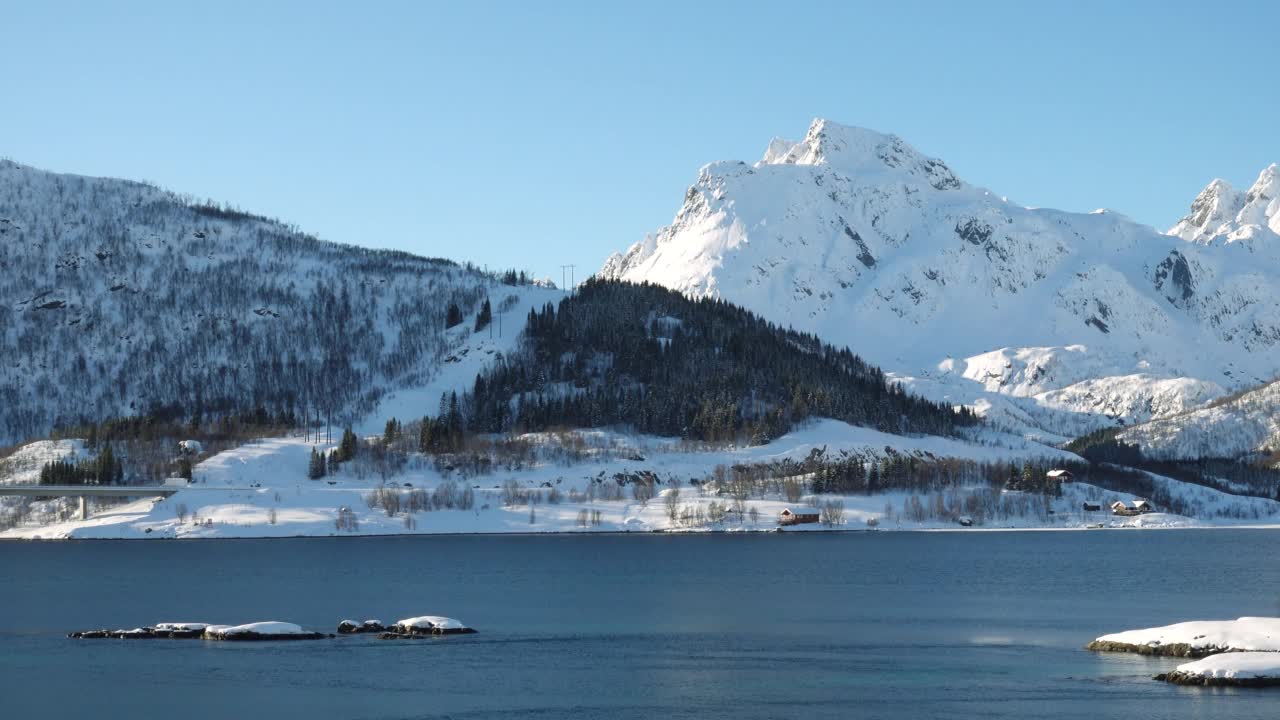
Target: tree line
x,y
105,469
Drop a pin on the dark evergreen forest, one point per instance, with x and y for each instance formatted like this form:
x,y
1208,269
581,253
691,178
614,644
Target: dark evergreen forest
x,y
649,358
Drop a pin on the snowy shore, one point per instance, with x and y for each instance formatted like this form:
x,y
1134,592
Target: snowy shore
x,y
1239,669
1197,639
261,490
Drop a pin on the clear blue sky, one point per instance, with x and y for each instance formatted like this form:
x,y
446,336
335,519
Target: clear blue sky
x,y
534,134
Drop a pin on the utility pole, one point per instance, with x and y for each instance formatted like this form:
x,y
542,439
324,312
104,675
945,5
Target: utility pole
x,y
570,268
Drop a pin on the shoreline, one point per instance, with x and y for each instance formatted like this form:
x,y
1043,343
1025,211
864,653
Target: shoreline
x,y
634,533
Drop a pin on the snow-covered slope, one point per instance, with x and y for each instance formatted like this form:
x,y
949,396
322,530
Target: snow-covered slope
x,y
1084,318
1242,425
117,298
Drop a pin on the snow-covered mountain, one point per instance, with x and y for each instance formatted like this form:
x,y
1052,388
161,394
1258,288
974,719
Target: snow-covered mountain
x,y
118,298
1247,424
1222,214
1051,322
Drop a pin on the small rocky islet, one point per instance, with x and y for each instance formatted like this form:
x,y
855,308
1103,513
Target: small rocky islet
x,y
1244,652
425,626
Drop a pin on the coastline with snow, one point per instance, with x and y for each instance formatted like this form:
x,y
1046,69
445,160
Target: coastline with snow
x,y
260,490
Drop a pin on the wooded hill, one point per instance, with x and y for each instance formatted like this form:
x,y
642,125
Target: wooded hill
x,y
650,358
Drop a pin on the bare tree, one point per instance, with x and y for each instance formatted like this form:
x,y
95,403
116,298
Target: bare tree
x,y
641,491
671,498
832,513
793,489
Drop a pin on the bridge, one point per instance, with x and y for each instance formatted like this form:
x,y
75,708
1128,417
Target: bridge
x,y
88,491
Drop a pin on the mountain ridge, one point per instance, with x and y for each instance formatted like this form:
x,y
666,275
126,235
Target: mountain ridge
x,y
855,236
121,298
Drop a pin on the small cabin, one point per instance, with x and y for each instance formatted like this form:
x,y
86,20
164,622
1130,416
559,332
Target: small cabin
x,y
1142,506
1092,507
1119,508
798,516
1062,476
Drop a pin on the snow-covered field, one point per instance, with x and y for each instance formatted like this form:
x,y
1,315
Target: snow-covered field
x,y
261,490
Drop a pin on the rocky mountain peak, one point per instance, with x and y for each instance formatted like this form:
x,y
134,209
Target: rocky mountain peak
x,y
859,151
1217,203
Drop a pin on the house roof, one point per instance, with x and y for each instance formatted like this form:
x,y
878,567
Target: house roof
x,y
1058,473
800,511
1141,503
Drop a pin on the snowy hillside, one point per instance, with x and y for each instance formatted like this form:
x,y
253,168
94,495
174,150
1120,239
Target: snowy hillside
x,y
123,299
1243,425
1057,322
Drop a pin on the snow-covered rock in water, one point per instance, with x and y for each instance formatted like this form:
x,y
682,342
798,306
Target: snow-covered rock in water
x,y
180,629
1197,638
856,236
1245,669
160,630
268,630
426,626
351,627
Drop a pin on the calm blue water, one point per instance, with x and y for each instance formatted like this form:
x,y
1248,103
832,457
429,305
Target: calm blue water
x,y
867,625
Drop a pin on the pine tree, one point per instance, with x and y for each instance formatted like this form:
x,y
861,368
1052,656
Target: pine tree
x,y
485,316
453,316
348,446
315,467
107,470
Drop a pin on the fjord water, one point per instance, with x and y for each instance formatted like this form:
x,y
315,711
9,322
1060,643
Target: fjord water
x,y
867,625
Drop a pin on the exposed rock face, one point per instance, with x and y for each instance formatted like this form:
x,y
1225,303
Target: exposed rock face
x,y
1182,650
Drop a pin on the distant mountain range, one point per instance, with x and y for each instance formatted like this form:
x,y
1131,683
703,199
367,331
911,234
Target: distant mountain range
x,y
1051,323
123,299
